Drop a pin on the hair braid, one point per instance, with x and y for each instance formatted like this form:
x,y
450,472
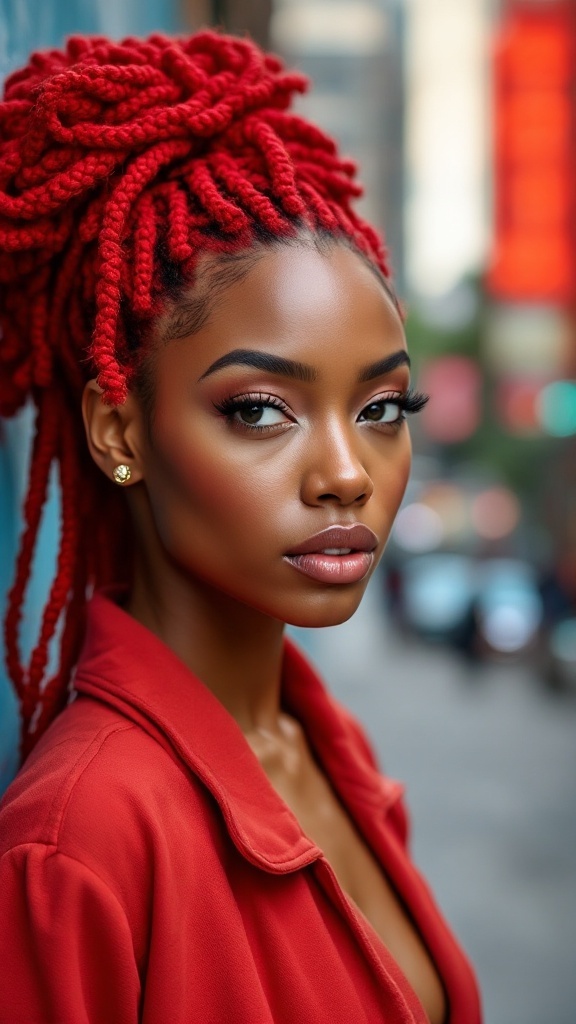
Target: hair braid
x,y
228,215
179,246
62,583
108,293
145,232
120,164
41,461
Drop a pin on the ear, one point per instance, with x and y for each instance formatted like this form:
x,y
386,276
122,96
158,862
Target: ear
x,y
114,432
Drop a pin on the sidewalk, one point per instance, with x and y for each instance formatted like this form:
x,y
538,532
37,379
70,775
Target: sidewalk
x,y
489,759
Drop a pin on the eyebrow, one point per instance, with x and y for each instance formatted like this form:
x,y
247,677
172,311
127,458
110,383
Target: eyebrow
x,y
264,361
296,370
386,365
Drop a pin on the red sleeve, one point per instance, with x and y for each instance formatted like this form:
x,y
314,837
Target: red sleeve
x,y
65,945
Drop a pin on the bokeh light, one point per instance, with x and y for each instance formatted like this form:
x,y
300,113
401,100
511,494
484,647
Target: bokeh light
x,y
454,384
556,408
495,513
418,528
508,629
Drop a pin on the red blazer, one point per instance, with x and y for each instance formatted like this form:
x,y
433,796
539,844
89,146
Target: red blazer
x,y
150,873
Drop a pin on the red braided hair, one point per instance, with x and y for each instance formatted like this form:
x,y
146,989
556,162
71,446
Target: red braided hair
x,y
117,160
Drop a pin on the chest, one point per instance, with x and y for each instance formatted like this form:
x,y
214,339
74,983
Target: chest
x,y
323,818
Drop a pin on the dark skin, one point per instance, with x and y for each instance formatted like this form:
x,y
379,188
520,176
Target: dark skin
x,y
220,493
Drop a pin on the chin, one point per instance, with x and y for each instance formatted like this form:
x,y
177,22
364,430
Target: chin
x,y
323,613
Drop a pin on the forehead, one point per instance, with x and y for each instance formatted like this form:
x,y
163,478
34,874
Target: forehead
x,y
325,309
298,296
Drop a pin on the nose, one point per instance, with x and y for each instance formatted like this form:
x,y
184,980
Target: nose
x,y
335,471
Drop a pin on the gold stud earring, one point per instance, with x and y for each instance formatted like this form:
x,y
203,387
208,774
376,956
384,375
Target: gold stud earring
x,y
122,473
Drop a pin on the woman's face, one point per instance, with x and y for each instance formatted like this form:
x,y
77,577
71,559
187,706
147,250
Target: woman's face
x,y
282,417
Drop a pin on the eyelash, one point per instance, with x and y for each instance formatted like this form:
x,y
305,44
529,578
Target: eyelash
x,y
408,402
235,403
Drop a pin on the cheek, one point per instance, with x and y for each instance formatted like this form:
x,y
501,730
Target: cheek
x,y
234,483
204,496
393,477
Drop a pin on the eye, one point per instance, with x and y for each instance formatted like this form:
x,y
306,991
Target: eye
x,y
384,411
258,414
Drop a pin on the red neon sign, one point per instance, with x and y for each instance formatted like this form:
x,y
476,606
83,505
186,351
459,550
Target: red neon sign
x,y
534,251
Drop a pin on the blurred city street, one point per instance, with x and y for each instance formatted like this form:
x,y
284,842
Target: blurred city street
x,y
488,757
462,119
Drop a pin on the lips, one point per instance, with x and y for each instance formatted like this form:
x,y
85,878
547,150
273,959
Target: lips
x,y
337,555
341,538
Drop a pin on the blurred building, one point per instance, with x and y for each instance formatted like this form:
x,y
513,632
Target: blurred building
x,y
236,16
353,52
447,115
531,329
491,244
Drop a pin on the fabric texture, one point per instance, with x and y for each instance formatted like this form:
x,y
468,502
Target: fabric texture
x,y
149,872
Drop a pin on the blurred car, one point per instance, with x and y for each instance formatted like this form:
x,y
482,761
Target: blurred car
x,y
509,607
436,592
484,608
560,655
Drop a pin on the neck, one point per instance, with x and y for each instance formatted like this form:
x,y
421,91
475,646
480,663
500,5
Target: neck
x,y
235,650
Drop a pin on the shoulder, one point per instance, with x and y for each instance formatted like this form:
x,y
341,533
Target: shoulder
x,y
33,807
96,788
104,818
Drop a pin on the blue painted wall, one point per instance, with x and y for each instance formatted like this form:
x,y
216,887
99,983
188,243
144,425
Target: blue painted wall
x,y
27,25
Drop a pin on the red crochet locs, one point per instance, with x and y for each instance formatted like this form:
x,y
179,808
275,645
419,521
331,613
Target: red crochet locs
x,y
116,158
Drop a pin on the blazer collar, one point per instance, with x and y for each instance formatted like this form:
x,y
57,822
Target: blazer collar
x,y
128,667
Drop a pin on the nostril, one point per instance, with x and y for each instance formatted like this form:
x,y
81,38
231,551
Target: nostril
x,y
335,481
340,499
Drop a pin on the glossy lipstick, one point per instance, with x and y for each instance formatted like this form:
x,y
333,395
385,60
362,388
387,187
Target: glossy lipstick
x,y
339,554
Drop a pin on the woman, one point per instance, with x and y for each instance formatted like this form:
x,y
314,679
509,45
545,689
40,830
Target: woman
x,y
201,834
